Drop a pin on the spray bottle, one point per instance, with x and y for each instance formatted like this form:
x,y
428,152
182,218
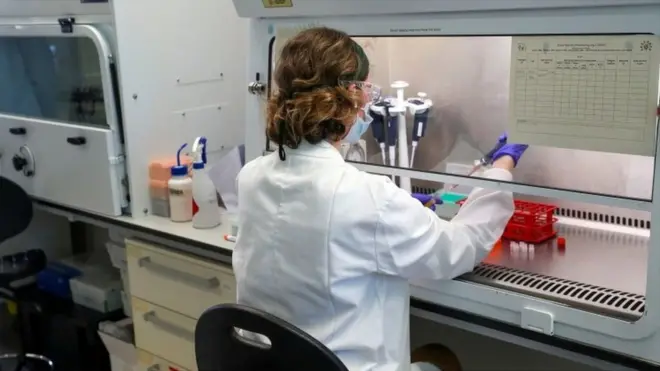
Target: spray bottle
x,y
207,214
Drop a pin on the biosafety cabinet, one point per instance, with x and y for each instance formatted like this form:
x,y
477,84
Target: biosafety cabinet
x,y
575,79
60,115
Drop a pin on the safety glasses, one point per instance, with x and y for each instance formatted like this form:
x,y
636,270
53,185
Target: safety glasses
x,y
371,91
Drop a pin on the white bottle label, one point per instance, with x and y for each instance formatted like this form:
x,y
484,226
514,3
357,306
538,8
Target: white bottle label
x,y
181,205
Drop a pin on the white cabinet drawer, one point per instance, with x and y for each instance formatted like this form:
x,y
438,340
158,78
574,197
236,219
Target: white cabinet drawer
x,y
164,333
177,282
149,362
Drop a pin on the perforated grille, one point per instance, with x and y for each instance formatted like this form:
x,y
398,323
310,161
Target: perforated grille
x,y
589,297
604,218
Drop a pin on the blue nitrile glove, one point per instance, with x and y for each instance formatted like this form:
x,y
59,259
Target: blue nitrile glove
x,y
515,151
425,199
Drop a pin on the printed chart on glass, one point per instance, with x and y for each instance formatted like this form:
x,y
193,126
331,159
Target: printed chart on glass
x,y
597,93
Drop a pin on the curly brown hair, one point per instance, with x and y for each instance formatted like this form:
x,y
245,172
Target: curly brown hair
x,y
310,102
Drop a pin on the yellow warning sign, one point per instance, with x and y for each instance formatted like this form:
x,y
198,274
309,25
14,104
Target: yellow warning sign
x,y
278,3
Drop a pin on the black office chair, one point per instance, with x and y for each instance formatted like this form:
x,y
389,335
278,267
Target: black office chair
x,y
218,346
15,216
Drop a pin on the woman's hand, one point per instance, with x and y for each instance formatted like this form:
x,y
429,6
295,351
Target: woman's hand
x,y
427,200
507,156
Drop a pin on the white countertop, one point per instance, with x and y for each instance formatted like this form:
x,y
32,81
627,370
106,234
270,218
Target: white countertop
x,y
213,237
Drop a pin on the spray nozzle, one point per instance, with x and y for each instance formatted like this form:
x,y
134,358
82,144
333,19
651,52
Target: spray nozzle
x,y
199,150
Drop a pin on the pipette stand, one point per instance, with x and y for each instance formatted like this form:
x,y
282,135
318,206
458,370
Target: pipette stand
x,y
400,108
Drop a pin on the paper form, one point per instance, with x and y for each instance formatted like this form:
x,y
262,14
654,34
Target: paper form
x,y
596,93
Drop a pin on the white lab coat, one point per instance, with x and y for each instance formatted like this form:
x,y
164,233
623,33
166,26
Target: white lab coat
x,y
330,249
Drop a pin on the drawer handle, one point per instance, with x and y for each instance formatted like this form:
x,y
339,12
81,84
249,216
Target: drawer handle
x,y
173,329
191,279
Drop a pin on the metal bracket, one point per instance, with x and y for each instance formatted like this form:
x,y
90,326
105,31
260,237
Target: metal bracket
x,y
257,87
66,24
116,160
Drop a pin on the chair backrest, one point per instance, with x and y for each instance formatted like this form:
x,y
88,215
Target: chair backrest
x,y
219,347
15,209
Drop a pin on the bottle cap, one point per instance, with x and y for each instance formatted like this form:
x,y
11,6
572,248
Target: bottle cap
x,y
179,170
561,242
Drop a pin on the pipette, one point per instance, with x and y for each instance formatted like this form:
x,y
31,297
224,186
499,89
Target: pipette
x,y
379,126
487,159
420,109
392,136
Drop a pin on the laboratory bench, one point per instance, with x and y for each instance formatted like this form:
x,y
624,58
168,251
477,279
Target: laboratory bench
x,y
176,272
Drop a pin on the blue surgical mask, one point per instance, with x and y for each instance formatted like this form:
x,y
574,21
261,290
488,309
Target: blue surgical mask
x,y
359,127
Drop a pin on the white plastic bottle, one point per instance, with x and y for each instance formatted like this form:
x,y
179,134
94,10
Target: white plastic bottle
x,y
203,190
180,190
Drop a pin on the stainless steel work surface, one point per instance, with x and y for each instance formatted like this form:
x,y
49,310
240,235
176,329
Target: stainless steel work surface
x,y
606,259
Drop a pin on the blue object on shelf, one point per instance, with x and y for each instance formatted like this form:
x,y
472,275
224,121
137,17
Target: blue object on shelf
x,y
55,279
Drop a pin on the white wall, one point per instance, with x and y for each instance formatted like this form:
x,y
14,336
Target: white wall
x,y
182,69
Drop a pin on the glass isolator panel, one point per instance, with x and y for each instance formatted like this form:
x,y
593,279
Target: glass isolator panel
x,y
52,78
468,81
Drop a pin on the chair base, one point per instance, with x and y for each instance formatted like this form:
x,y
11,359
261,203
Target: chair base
x,y
44,363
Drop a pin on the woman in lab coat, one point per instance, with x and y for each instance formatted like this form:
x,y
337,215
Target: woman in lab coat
x,y
330,248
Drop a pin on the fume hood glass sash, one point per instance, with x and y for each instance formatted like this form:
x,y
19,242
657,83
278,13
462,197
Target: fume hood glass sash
x,y
57,76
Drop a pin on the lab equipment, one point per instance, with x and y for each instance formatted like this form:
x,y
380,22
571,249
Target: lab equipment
x,y
204,193
230,237
400,108
383,128
159,175
561,242
419,107
502,148
531,222
488,158
607,199
390,130
180,189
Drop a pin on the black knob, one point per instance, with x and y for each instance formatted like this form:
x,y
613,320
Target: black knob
x,y
17,131
19,162
76,141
